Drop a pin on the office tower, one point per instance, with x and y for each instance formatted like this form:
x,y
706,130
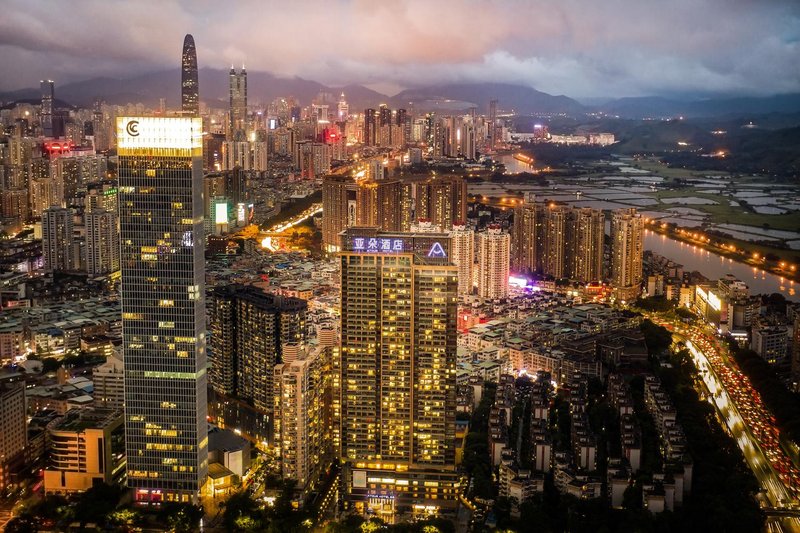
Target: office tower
x,y
102,242
585,247
463,255
190,99
237,91
627,250
302,416
370,128
523,238
494,254
14,436
398,357
381,204
442,200
163,305
86,447
249,329
48,94
109,384
337,193
57,239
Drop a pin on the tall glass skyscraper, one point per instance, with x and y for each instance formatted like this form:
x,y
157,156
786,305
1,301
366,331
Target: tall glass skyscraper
x,y
163,308
190,100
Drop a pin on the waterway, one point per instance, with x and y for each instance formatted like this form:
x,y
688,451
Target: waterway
x,y
513,166
715,266
692,258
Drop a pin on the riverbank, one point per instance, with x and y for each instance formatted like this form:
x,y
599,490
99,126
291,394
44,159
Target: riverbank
x,y
745,252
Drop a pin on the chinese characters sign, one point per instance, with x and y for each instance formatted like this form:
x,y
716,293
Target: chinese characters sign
x,y
377,245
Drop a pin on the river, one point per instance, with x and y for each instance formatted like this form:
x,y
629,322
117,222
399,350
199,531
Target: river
x,y
513,166
715,266
709,264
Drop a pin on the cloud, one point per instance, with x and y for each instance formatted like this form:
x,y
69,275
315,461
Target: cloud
x,y
578,48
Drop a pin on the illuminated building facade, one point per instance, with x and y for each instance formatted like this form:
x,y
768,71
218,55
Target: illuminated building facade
x,y
442,200
85,446
57,239
163,306
523,238
338,200
14,436
398,382
463,256
586,237
249,329
494,255
102,242
559,241
627,253
303,416
383,203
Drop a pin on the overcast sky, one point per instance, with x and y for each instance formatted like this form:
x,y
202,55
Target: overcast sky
x,y
579,48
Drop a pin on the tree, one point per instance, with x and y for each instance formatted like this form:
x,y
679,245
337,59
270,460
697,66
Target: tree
x,y
656,337
181,517
97,503
242,512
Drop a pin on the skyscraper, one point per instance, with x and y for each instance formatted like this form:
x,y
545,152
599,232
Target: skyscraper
x,y
190,99
554,227
398,357
586,241
463,255
14,436
102,242
237,92
48,94
523,238
559,241
57,239
163,308
381,203
302,415
494,255
342,109
338,200
249,329
442,200
627,250
370,128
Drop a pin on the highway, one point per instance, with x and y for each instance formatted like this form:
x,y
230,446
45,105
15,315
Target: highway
x,y
274,231
740,407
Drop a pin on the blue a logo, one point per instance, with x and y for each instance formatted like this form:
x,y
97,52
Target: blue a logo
x,y
437,251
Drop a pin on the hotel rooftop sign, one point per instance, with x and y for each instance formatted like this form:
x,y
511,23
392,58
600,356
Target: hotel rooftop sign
x,y
433,246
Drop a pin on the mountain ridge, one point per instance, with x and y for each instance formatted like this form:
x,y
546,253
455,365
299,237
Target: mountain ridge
x,y
449,97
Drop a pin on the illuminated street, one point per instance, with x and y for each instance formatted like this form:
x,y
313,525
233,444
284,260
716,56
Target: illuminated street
x,y
740,406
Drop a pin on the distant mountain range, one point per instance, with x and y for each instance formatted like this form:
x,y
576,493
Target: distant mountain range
x,y
263,87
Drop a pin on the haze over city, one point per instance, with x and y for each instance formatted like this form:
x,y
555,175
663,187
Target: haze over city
x,y
580,49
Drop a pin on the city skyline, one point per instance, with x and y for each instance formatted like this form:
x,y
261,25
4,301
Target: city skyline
x,y
618,49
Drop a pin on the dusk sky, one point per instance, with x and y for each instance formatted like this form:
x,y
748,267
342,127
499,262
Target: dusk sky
x,y
578,48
